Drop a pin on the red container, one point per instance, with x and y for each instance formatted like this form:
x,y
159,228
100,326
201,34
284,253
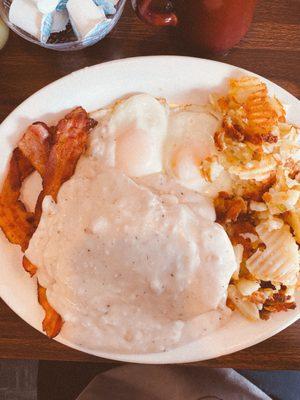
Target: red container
x,y
210,25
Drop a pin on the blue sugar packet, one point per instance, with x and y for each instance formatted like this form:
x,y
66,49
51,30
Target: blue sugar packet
x,y
60,21
107,5
62,4
46,27
48,6
99,31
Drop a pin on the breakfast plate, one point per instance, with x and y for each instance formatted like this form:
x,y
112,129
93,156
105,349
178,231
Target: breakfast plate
x,y
181,80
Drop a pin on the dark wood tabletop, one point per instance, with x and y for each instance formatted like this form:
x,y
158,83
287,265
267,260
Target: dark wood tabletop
x,y
271,48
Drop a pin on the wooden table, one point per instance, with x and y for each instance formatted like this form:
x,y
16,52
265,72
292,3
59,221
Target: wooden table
x,y
271,48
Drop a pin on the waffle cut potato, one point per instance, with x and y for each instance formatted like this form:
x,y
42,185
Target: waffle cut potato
x,y
260,151
279,261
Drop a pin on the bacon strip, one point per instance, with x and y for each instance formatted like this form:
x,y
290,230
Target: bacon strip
x,y
32,153
70,143
15,221
54,153
52,322
19,169
35,145
28,266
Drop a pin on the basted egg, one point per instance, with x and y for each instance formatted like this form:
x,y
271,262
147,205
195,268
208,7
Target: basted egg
x,y
139,126
190,140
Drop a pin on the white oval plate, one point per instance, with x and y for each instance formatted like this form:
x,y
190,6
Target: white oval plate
x,y
180,80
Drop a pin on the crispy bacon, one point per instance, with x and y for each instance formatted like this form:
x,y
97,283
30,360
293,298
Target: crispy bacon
x,y
35,145
70,143
15,221
52,322
19,169
33,149
54,153
28,266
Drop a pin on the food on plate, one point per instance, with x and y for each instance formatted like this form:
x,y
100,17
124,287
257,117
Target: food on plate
x,y
35,146
52,322
153,239
68,141
15,221
260,213
148,276
154,220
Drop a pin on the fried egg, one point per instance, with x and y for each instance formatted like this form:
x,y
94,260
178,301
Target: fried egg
x,y
190,140
133,135
141,136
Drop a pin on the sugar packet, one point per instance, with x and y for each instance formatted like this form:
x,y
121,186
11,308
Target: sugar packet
x,y
107,5
86,21
60,21
26,15
48,6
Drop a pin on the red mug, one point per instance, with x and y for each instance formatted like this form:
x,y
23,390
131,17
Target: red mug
x,y
210,25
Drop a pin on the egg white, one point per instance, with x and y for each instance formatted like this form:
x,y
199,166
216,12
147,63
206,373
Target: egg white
x,y
189,141
139,128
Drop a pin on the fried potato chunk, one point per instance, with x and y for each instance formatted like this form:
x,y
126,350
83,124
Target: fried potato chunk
x,y
278,263
228,207
241,89
293,219
278,302
261,117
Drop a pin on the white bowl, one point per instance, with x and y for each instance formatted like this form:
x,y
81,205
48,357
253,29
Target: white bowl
x,y
62,45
